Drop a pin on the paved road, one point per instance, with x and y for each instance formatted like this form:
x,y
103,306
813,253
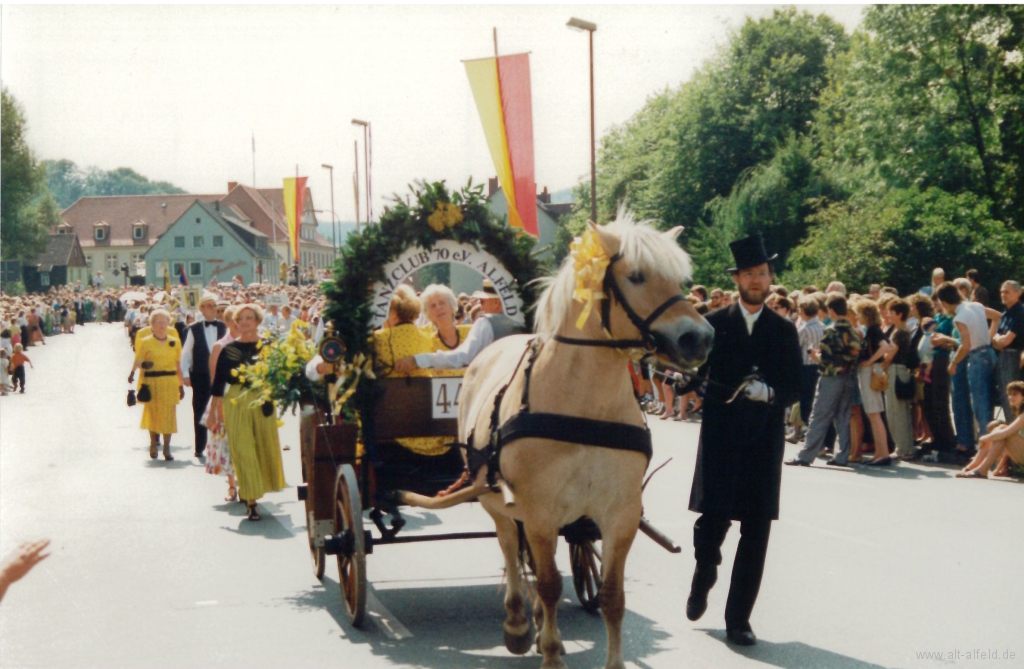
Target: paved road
x,y
151,569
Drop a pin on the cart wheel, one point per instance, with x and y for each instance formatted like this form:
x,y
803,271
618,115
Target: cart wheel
x,y
348,526
585,559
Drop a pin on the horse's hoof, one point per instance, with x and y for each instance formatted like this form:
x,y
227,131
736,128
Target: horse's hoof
x,y
518,644
536,639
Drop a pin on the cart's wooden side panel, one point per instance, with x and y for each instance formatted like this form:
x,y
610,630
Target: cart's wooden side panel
x,y
405,409
324,449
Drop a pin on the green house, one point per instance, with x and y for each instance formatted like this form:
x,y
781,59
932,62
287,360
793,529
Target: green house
x,y
211,241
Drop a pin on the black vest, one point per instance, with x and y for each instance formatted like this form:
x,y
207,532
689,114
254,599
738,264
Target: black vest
x,y
200,368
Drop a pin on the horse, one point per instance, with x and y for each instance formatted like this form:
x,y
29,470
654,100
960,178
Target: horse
x,y
546,484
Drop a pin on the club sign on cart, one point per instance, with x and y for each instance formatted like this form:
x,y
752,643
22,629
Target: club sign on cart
x,y
446,392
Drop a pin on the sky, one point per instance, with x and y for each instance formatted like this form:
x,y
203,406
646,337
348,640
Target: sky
x,y
178,92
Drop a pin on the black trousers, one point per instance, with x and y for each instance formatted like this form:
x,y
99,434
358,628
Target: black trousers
x,y
936,406
18,376
200,398
708,534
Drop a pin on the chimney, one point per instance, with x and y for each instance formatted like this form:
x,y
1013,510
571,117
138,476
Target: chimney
x,y
492,186
545,197
231,185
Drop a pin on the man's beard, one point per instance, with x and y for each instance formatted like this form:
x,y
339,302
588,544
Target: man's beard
x,y
751,299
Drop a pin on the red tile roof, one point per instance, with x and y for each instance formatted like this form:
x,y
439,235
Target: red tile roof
x,y
120,212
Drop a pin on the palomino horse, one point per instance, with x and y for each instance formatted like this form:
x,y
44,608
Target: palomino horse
x,y
555,482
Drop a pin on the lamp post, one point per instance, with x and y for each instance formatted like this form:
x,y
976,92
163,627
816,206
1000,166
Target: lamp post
x,y
334,220
580,24
366,164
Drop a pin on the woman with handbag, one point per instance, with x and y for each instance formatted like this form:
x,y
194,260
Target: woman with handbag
x,y
251,430
899,396
873,380
158,356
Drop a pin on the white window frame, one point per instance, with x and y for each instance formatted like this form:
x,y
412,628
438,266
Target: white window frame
x,y
192,264
138,232
44,278
99,233
110,261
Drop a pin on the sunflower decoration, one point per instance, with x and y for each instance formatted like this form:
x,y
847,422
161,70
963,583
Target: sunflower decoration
x,y
279,373
445,215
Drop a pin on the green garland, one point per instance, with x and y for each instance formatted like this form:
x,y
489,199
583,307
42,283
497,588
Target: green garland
x,y
362,260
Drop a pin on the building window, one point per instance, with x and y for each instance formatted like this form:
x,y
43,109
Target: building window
x,y
44,278
218,240
176,268
179,242
88,261
195,269
111,261
138,232
136,262
197,241
99,233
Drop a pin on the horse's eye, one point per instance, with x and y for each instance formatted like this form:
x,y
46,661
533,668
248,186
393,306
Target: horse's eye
x,y
636,277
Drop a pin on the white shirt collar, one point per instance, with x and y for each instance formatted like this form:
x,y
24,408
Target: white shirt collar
x,y
751,318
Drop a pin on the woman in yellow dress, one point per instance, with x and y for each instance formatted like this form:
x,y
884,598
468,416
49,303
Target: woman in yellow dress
x,y
399,338
440,305
158,355
251,430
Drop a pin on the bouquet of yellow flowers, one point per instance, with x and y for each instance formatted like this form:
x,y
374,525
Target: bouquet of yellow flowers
x,y
279,374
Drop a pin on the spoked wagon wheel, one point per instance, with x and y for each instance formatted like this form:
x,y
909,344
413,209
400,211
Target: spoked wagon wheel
x,y
585,560
348,530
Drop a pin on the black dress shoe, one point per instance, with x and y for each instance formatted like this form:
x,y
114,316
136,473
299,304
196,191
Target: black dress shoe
x,y
797,462
741,637
834,463
884,462
697,603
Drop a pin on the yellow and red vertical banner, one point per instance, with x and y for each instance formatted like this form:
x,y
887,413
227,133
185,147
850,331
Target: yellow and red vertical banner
x,y
294,203
501,90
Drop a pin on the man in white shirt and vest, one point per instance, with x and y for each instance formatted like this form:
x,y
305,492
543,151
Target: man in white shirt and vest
x,y
195,362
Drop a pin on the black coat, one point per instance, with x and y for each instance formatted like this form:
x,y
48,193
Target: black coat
x,y
739,456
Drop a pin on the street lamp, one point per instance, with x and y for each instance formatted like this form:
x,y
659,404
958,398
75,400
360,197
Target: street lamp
x,y
334,220
580,24
366,164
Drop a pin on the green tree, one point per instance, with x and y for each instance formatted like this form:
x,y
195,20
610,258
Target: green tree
x,y
68,182
930,96
897,239
65,181
21,181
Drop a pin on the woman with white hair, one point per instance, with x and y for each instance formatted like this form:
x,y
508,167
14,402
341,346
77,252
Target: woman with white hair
x,y
159,356
440,305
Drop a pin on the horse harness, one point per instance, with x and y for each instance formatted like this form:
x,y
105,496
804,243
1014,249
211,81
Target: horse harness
x,y
526,424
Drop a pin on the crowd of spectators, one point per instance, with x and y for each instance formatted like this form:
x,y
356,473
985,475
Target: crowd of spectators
x,y
931,375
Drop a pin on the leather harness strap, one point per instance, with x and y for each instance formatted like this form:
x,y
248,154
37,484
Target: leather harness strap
x,y
526,424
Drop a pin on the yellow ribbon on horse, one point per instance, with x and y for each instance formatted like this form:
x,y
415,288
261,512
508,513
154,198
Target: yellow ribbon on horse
x,y
590,261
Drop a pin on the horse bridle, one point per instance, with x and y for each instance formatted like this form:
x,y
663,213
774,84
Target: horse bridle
x,y
610,287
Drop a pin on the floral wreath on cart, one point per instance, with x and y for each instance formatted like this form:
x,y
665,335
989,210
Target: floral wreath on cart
x,y
435,214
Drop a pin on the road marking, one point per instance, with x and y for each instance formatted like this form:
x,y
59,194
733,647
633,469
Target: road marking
x,y
386,621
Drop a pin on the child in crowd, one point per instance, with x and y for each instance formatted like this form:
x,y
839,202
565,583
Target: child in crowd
x,y
5,379
18,361
925,350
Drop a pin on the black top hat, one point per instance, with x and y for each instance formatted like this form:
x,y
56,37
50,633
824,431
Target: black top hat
x,y
749,252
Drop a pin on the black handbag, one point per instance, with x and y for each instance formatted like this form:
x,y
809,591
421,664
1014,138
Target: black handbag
x,y
145,394
905,390
131,398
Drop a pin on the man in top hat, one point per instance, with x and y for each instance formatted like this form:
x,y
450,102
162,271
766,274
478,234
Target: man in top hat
x,y
492,326
195,362
739,456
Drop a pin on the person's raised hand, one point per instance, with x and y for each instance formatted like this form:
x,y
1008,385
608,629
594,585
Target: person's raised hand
x,y
21,561
405,365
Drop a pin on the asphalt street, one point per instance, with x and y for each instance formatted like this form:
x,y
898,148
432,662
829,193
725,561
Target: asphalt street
x,y
150,568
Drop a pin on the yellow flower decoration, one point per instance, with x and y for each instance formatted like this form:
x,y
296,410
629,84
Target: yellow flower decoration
x,y
590,263
446,215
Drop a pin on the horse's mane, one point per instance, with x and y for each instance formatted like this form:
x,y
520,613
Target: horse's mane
x,y
643,248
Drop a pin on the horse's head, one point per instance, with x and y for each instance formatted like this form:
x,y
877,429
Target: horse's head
x,y
643,296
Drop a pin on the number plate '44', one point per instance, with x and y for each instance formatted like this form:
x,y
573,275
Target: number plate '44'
x,y
446,392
